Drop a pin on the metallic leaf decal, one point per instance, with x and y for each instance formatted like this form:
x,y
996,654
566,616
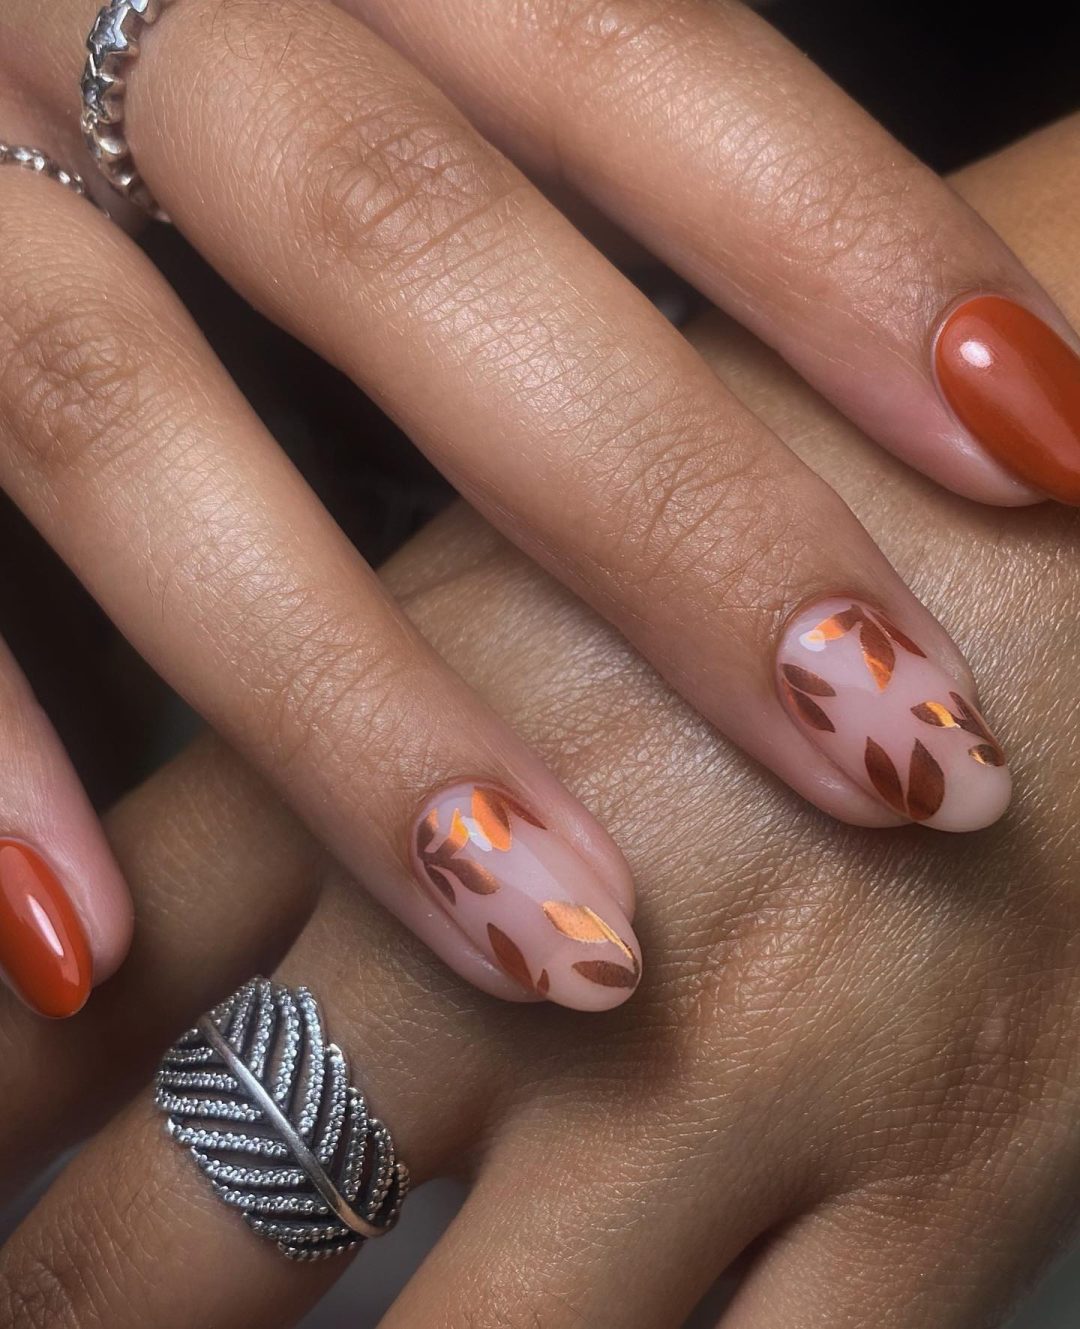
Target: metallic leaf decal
x,y
878,653
809,711
491,809
445,865
580,923
987,754
926,784
884,776
970,720
510,957
441,882
806,681
829,629
901,638
932,712
605,973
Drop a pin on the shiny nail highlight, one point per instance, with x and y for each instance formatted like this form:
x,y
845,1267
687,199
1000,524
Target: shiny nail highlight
x,y
1015,385
44,954
525,897
892,719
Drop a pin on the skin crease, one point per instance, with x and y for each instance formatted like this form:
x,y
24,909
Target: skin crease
x,y
857,1045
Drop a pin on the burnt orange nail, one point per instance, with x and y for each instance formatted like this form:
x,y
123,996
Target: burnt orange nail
x,y
44,953
1015,384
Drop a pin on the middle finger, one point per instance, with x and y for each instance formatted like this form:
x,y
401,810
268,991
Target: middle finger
x,y
341,193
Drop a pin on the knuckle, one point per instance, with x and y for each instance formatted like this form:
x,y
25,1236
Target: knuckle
x,y
688,506
370,165
77,375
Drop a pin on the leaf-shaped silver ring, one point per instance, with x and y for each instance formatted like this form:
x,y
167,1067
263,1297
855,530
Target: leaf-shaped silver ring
x,y
265,1105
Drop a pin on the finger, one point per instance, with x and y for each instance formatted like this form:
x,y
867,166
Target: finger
x,y
373,222
245,595
65,911
703,132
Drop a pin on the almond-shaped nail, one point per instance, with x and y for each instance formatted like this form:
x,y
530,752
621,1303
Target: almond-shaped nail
x,y
891,718
44,953
1015,385
525,896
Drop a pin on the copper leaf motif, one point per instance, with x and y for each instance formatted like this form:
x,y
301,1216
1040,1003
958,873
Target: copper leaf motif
x,y
809,711
878,653
441,882
580,923
510,957
901,638
926,784
605,973
932,712
806,681
987,754
884,776
491,810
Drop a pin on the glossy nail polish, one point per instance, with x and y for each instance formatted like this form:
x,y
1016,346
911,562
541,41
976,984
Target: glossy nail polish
x,y
525,897
891,718
44,954
1015,385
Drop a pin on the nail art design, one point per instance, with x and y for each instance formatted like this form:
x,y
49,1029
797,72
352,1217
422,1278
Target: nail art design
x,y
1015,385
867,694
526,897
44,953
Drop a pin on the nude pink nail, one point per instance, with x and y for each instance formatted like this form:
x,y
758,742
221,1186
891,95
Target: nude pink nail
x,y
525,896
891,718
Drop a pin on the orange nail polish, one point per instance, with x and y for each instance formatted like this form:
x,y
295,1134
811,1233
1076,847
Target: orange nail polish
x,y
1015,384
44,953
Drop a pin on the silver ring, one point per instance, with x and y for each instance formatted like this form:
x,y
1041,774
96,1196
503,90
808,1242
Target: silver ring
x,y
33,160
265,1106
113,44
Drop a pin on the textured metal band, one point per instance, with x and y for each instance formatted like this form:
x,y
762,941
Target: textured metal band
x,y
113,44
265,1105
33,160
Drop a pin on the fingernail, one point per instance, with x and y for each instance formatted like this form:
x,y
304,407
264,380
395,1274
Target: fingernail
x,y
44,953
889,717
525,897
1015,385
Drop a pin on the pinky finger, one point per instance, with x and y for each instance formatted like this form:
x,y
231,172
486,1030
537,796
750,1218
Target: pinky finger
x,y
65,911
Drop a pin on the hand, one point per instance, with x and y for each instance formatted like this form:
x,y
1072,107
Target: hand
x,y
854,1056
328,180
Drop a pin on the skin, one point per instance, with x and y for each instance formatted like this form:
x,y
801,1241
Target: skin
x,y
854,1058
311,152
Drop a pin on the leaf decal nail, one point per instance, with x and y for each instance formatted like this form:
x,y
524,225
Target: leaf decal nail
x,y
987,755
606,974
926,784
807,681
884,776
580,923
809,711
878,653
510,957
